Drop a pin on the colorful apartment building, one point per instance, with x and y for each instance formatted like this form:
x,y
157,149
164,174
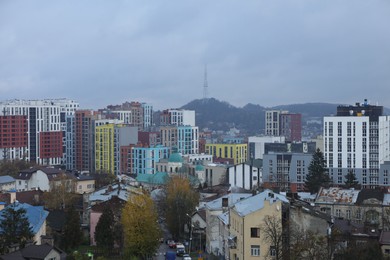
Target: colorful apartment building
x,y
237,152
35,130
144,159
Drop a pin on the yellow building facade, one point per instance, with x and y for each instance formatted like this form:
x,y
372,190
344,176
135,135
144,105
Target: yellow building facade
x,y
106,148
247,219
237,152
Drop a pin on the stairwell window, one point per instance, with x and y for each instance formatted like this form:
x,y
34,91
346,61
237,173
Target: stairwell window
x,y
255,250
255,232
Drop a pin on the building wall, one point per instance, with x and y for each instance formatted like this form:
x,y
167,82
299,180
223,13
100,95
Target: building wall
x,y
291,127
144,158
105,147
244,176
256,145
39,180
237,152
241,228
85,186
169,136
84,140
286,171
43,116
188,139
94,219
7,186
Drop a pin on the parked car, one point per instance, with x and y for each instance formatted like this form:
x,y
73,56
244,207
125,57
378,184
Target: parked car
x,y
180,249
171,243
186,257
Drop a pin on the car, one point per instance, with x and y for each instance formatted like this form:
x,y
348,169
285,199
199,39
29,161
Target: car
x,y
187,257
171,243
180,249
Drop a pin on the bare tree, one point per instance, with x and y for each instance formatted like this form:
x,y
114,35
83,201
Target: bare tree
x,y
272,231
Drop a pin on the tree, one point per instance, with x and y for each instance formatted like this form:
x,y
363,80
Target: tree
x,y
140,226
14,227
307,245
61,193
104,233
272,233
318,173
72,236
181,200
350,180
12,168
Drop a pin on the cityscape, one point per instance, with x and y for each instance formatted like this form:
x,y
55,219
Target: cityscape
x,y
203,130
213,194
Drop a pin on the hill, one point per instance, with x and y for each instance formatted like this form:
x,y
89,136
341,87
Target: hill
x,y
220,115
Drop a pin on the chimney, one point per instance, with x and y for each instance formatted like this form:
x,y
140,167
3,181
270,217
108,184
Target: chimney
x,y
225,202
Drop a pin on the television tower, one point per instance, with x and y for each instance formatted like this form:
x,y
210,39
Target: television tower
x,y
205,85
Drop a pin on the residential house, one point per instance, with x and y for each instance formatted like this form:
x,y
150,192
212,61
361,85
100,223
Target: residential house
x,y
7,183
36,252
36,216
246,175
213,210
246,219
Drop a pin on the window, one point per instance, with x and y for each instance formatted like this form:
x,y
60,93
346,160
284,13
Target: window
x,y
348,214
255,250
338,213
272,251
255,232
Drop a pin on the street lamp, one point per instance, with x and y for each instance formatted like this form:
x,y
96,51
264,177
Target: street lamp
x,y
192,228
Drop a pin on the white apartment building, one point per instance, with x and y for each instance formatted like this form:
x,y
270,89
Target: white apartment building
x,y
256,145
178,117
357,139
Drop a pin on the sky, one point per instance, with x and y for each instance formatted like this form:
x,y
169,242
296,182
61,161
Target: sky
x,y
266,52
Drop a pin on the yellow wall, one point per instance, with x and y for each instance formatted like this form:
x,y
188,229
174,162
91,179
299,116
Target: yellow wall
x,y
104,148
241,228
237,152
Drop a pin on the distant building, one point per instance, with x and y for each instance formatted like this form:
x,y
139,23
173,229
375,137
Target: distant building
x,y
145,159
246,175
286,171
256,145
35,130
357,140
283,123
237,152
177,117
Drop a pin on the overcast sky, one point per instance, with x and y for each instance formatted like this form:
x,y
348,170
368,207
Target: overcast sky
x,y
273,52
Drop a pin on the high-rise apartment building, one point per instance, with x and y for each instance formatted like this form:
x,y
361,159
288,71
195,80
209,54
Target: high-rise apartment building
x,y
184,138
37,131
357,139
110,136
177,117
84,140
283,123
144,159
132,113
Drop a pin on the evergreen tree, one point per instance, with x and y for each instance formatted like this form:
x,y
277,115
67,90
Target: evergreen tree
x,y
104,233
72,236
350,180
318,173
14,227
